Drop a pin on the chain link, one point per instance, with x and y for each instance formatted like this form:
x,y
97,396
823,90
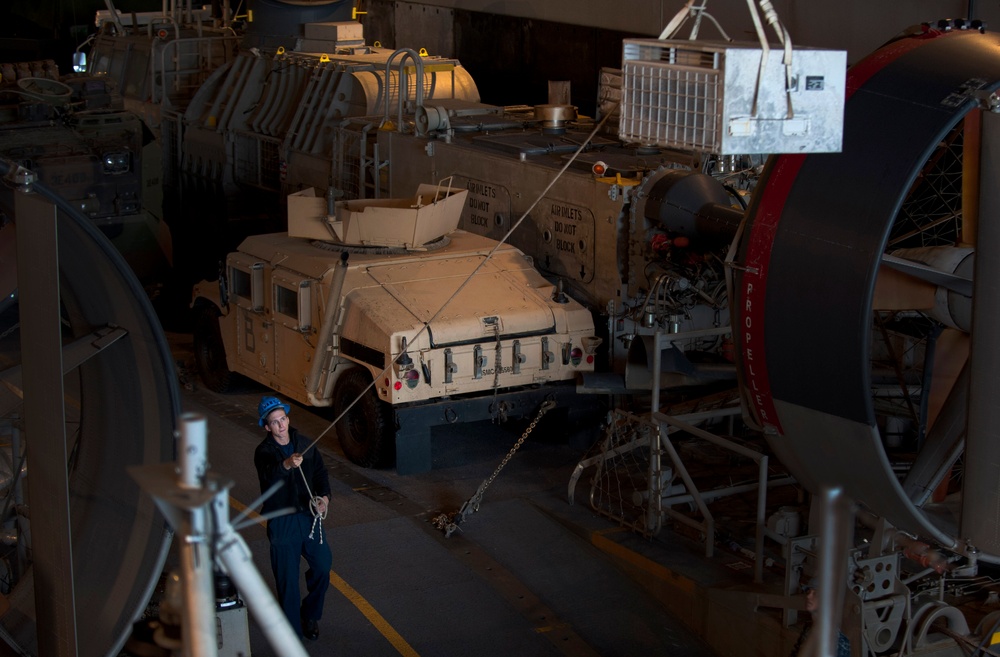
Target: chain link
x,y
10,330
448,524
498,414
546,407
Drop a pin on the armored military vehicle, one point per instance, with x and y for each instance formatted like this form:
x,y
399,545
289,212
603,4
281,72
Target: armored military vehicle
x,y
397,321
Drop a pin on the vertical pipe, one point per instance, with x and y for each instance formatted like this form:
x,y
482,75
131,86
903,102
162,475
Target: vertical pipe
x,y
376,167
194,455
325,358
237,560
199,634
758,568
833,541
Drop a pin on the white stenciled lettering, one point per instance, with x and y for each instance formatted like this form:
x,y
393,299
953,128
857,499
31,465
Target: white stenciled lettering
x,y
482,189
566,229
479,204
565,246
566,212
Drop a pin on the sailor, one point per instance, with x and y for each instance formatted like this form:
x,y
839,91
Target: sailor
x,y
804,646
283,456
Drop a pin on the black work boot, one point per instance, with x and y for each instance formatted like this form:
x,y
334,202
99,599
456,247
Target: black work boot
x,y
310,629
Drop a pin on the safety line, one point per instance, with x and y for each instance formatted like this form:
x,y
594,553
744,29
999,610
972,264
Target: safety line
x,y
468,279
355,598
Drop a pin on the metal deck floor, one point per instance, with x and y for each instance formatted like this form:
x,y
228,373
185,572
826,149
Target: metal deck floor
x,y
529,574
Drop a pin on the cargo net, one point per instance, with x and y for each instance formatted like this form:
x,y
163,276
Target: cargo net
x,y
257,161
648,474
622,474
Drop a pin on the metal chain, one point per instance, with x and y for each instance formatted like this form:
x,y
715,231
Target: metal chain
x,y
449,524
498,416
10,330
546,407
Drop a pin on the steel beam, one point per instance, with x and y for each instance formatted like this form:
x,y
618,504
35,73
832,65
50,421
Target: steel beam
x,y
45,424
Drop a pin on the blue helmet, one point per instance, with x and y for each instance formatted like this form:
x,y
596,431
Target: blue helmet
x,y
268,404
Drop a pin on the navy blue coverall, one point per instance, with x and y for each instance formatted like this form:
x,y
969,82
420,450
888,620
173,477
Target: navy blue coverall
x,y
289,534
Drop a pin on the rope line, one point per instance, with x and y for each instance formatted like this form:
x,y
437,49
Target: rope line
x,y
492,252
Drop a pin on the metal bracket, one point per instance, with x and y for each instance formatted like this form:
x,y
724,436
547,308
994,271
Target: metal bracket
x,y
22,178
478,361
518,358
450,368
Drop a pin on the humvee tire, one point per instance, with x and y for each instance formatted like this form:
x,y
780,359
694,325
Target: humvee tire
x,y
367,433
210,352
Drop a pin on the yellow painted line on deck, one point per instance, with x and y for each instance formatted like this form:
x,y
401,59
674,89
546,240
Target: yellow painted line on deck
x,y
348,591
640,562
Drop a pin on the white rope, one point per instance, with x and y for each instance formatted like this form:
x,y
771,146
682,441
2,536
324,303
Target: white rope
x,y
677,22
699,12
786,41
318,517
489,256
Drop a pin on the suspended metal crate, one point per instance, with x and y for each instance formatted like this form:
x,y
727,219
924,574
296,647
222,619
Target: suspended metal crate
x,y
705,96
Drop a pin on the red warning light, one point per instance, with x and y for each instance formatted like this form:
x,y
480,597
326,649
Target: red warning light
x,y
397,385
412,378
599,168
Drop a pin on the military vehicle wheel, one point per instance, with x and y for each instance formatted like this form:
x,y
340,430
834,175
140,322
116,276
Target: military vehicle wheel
x,y
210,352
367,433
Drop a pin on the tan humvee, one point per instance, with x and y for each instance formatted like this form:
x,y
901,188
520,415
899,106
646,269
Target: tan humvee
x,y
397,334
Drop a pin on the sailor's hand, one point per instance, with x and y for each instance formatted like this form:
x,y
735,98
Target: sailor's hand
x,y
293,461
322,504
